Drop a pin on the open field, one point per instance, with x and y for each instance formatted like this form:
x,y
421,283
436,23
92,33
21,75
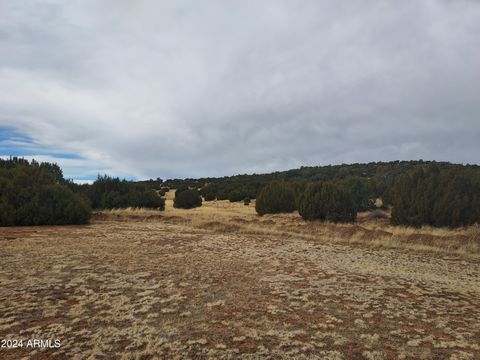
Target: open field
x,y
220,282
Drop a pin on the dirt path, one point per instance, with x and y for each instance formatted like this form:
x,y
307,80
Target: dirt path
x,y
141,290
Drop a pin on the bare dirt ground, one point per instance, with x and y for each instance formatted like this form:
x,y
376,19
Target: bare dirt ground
x,y
212,283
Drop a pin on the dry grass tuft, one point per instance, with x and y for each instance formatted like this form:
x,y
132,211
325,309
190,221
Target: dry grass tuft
x,y
372,229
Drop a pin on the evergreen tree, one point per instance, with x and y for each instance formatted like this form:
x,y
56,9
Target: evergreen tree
x,y
276,197
363,191
209,192
112,193
187,199
33,193
236,195
327,201
429,195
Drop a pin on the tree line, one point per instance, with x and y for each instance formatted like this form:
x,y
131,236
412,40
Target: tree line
x,y
436,197
425,195
33,193
329,200
113,193
418,193
380,175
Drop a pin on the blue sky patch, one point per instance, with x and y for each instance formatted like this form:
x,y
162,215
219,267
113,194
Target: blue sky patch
x,y
74,166
14,143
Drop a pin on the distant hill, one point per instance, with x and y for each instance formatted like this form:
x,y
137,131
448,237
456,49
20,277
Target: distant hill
x,y
382,174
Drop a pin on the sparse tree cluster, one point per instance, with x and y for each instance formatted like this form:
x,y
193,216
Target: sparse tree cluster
x,y
419,193
235,192
112,193
331,201
376,176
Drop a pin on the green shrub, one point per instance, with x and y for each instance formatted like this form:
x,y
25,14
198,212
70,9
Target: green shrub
x,y
436,197
222,194
276,197
236,195
363,192
187,199
55,205
298,187
327,201
246,201
209,197
6,213
209,192
37,194
112,193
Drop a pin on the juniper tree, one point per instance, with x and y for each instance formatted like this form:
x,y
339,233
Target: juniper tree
x,y
276,197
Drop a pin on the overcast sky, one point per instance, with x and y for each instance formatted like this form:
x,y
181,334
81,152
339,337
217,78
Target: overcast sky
x,y
204,88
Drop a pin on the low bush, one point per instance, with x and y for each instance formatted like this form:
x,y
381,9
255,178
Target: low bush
x,y
209,197
276,197
327,201
236,195
187,199
209,192
363,192
112,193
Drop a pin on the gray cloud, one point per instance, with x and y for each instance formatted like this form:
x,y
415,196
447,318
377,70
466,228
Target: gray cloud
x,y
187,88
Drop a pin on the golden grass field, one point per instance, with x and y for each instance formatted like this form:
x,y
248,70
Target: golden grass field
x,y
220,282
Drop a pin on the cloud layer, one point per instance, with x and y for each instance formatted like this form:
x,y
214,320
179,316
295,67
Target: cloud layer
x,y
187,88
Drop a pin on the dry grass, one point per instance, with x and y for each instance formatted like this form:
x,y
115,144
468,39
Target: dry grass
x,y
220,282
373,231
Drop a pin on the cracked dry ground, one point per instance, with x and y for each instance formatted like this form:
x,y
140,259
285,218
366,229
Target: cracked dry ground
x,y
160,290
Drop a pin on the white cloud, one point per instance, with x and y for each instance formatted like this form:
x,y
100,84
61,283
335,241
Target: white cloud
x,y
183,88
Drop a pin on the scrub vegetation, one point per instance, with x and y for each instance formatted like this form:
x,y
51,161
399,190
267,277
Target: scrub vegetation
x,y
220,282
33,193
416,192
337,266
